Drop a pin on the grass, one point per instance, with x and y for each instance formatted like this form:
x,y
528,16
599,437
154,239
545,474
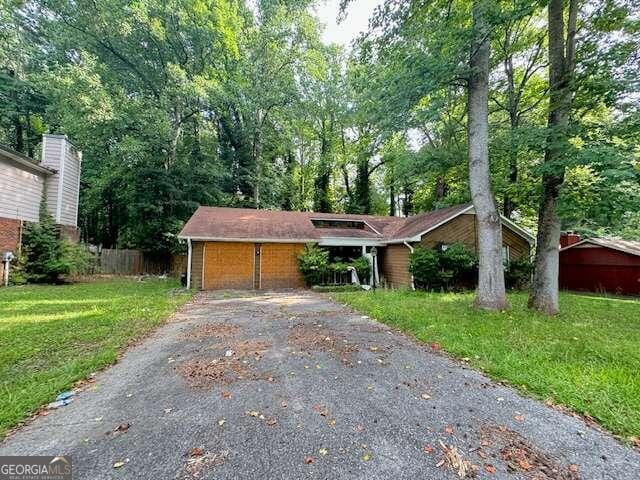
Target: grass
x,y
587,358
53,336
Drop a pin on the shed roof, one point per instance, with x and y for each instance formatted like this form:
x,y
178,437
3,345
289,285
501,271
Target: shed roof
x,y
627,246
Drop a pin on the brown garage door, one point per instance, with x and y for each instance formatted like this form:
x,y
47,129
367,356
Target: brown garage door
x,y
228,265
279,265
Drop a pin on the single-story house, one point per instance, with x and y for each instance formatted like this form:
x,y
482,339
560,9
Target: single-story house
x,y
600,265
24,182
244,248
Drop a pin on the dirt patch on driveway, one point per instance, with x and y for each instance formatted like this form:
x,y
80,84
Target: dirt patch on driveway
x,y
213,330
204,373
521,457
249,348
313,338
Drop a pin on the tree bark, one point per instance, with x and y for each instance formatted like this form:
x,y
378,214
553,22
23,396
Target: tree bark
x,y
490,293
544,290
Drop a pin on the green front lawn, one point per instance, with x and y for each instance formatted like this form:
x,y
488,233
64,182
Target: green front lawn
x,y
587,358
53,336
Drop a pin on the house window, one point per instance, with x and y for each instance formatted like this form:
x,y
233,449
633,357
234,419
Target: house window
x,y
329,223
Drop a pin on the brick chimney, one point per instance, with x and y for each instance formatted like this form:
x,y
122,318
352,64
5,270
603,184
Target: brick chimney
x,y
568,238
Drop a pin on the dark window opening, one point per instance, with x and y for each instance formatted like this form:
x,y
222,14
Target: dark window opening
x,y
325,223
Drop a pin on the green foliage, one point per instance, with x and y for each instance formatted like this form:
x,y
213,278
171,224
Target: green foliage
x,y
363,269
458,259
43,250
435,268
46,257
518,273
424,265
313,263
241,104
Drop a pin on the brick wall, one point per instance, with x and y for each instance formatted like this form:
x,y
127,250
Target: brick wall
x,y
10,230
9,234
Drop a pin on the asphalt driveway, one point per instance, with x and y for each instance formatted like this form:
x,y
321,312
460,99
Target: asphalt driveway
x,y
291,385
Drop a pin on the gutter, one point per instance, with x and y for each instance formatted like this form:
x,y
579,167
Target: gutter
x,y
413,286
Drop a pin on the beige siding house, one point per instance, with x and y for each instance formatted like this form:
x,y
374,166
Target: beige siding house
x,y
24,182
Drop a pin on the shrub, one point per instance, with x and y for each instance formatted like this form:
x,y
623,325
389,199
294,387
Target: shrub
x,y
313,263
363,269
46,257
443,268
518,274
424,265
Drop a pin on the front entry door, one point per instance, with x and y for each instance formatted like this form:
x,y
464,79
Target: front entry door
x,y
257,265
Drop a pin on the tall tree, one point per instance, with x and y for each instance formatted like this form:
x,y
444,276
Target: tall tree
x,y
490,293
562,48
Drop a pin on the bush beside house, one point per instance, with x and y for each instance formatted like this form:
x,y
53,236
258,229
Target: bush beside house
x,y
46,257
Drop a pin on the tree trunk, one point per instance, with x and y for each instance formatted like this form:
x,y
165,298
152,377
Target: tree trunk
x,y
490,293
512,105
544,290
392,199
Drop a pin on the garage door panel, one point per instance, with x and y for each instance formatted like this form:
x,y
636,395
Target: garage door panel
x,y
279,266
228,265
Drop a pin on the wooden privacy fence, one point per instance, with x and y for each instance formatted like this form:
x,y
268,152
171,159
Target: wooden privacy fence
x,y
137,262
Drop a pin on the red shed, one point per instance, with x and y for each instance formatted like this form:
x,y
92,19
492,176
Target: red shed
x,y
601,265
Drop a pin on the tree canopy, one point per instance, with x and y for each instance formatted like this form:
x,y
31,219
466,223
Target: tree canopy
x,y
183,103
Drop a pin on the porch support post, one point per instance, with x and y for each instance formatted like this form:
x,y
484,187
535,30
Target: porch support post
x,y
413,286
189,257
364,250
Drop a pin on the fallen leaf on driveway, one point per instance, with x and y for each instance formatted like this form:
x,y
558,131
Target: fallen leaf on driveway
x,y
308,459
122,428
453,459
332,422
448,430
427,449
221,422
271,422
118,464
196,452
253,413
225,394
490,468
573,468
519,418
524,464
366,457
436,346
321,409
425,396
322,451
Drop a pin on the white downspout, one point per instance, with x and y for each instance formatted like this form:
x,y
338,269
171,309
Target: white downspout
x,y
413,287
189,256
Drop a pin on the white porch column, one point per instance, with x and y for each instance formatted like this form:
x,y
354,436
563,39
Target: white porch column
x,y
189,256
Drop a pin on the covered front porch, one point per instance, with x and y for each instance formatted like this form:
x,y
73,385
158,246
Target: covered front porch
x,y
348,251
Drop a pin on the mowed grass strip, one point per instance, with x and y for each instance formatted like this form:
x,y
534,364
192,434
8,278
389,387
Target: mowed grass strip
x,y
53,336
586,358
